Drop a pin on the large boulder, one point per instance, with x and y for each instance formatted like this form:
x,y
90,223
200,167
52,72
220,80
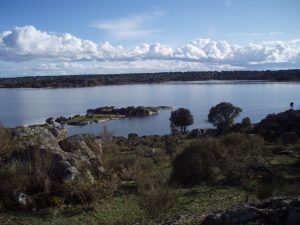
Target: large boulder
x,y
84,145
87,149
42,164
66,159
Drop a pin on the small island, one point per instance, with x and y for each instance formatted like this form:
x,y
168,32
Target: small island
x,y
106,113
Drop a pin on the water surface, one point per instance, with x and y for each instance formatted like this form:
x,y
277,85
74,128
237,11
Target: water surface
x,y
257,99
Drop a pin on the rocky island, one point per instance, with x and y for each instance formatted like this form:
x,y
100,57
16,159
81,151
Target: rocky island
x,y
105,113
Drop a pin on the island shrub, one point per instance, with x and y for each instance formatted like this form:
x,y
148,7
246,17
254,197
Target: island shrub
x,y
232,156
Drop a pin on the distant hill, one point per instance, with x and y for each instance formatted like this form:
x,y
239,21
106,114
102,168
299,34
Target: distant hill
x,y
135,78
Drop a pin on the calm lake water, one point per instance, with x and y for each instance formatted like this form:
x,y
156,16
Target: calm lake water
x,y
257,99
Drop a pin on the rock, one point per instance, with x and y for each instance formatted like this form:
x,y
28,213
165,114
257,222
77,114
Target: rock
x,y
61,119
130,111
63,171
288,138
59,133
23,200
87,149
50,120
281,211
85,145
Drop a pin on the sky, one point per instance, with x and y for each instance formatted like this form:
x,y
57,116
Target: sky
x,y
59,37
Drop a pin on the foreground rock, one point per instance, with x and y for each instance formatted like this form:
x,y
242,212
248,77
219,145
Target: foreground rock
x,y
49,164
275,211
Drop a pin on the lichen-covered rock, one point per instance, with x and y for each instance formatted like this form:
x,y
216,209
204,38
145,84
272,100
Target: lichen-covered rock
x,y
65,160
84,145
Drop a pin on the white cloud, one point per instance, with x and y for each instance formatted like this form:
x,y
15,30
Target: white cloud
x,y
128,27
64,52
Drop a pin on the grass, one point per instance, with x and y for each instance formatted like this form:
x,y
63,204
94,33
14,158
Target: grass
x,y
125,209
85,119
121,210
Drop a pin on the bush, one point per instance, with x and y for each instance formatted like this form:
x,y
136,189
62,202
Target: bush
x,y
232,156
195,163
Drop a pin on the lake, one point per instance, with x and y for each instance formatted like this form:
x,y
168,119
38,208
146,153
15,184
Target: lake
x,y
257,99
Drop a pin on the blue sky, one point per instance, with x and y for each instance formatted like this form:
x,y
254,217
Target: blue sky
x,y
41,37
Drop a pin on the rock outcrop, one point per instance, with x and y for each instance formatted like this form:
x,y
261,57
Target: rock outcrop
x,y
48,163
67,157
274,211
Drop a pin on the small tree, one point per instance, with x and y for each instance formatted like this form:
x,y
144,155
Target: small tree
x,y
222,116
182,118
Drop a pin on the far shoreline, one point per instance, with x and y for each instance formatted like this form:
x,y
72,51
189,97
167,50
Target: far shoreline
x,y
79,81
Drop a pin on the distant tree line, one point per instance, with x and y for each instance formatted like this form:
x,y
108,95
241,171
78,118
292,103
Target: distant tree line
x,y
135,78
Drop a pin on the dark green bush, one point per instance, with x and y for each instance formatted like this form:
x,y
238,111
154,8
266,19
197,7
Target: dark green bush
x,y
232,156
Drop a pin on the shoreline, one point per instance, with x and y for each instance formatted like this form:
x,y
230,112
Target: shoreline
x,y
74,81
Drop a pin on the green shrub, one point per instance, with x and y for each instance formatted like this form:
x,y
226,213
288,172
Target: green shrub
x,y
194,164
232,156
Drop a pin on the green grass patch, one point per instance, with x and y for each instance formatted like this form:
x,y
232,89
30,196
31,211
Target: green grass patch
x,y
85,119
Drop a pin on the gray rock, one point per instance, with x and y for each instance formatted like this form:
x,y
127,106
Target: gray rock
x,y
63,170
23,200
281,211
59,133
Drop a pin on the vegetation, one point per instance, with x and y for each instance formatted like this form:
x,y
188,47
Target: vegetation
x,y
222,116
182,118
107,79
5,141
85,119
233,156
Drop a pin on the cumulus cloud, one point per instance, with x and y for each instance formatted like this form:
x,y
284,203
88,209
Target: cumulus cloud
x,y
27,44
